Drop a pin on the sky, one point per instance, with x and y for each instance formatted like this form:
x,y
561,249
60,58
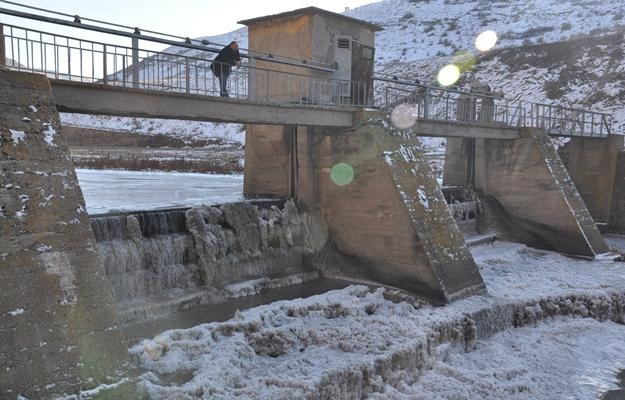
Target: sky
x,y
187,18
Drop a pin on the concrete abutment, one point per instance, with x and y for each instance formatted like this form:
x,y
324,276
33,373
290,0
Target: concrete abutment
x,y
58,323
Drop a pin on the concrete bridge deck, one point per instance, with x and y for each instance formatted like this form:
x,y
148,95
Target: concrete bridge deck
x,y
101,99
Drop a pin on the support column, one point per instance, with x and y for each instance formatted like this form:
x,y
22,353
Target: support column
x,y
267,161
306,193
135,62
459,169
455,169
291,135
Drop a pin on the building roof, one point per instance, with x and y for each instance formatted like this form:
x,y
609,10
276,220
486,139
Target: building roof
x,y
311,10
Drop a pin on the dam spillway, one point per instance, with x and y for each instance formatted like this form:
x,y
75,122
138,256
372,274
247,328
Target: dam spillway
x,y
159,262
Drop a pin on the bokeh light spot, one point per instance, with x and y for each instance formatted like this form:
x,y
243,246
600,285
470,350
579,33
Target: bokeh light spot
x,y
486,41
404,116
342,174
464,60
448,75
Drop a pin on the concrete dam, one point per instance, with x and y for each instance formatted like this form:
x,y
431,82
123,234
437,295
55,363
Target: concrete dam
x,y
338,186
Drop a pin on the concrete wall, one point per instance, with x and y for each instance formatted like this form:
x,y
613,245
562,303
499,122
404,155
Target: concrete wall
x,y
58,324
286,37
290,37
617,213
391,224
267,161
327,28
533,195
591,162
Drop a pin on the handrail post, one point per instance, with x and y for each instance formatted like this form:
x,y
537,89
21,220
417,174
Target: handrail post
x,y
592,124
426,103
135,61
104,69
187,77
583,123
603,121
386,96
2,46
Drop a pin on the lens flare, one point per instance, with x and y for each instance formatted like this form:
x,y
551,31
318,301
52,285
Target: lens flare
x,y
486,41
448,75
404,116
464,60
342,174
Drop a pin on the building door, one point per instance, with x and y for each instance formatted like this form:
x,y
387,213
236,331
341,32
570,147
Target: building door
x,y
362,72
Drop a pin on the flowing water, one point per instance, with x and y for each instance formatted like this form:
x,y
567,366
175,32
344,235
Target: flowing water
x,y
616,394
224,311
146,253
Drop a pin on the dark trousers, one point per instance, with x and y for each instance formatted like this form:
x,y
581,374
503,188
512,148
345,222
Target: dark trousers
x,y
223,84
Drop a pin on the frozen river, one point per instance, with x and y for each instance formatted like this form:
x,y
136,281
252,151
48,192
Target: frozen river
x,y
118,190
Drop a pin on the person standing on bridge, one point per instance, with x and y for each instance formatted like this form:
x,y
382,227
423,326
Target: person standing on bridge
x,y
223,63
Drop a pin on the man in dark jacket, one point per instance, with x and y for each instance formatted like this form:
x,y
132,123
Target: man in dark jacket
x,y
222,64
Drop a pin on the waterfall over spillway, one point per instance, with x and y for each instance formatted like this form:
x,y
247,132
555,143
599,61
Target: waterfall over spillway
x,y
162,260
146,254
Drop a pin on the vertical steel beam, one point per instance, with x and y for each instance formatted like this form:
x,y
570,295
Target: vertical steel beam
x,y
2,47
135,61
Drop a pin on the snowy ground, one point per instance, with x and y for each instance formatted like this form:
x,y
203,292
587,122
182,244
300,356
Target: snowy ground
x,y
561,359
111,190
187,131
359,342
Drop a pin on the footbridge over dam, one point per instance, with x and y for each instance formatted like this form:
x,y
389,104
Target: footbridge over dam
x,y
342,143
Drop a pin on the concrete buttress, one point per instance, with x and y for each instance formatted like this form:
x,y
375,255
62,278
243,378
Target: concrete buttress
x,y
391,224
533,196
58,323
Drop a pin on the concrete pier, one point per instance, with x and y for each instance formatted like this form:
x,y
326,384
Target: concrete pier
x,y
390,223
268,150
58,323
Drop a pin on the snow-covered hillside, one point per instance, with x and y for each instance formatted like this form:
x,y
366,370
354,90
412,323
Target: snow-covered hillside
x,y
421,29
567,52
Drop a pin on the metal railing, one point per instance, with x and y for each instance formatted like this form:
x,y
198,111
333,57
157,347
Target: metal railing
x,y
74,59
437,104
